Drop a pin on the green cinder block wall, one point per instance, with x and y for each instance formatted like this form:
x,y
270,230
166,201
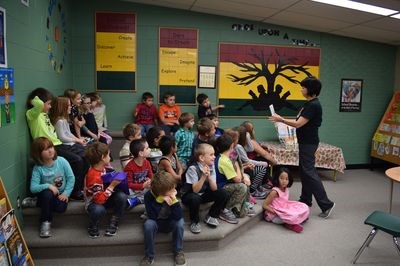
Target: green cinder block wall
x,y
28,55
340,58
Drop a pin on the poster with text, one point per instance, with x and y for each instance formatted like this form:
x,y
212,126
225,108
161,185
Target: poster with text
x,y
177,69
115,51
7,103
350,95
253,76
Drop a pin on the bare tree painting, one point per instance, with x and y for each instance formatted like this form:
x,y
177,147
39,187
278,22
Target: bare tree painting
x,y
270,68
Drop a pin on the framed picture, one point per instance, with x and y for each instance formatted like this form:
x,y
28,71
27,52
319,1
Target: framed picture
x,y
350,95
207,76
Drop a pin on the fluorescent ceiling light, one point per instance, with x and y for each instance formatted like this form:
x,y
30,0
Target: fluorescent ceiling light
x,y
396,16
359,6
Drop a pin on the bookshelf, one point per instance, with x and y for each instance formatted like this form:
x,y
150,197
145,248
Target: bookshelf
x,y
13,248
386,140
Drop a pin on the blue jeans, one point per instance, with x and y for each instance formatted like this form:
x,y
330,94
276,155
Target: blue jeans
x,y
49,203
311,183
118,201
151,227
144,129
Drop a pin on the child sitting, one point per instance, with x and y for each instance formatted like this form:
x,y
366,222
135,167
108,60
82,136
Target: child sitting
x,y
153,139
104,136
165,215
91,125
214,119
231,178
52,181
184,138
205,108
169,161
139,172
169,114
279,209
200,186
99,111
205,132
76,119
98,198
131,132
145,113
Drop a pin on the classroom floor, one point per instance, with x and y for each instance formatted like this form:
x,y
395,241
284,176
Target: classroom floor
x,y
332,241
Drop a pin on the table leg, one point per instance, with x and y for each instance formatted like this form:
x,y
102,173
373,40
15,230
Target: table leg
x,y
391,196
334,175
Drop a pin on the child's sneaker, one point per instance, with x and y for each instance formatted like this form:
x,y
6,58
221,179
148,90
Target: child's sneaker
x,y
211,221
132,202
258,194
294,227
29,202
236,212
327,213
195,228
228,216
146,261
45,229
93,231
252,200
112,228
180,259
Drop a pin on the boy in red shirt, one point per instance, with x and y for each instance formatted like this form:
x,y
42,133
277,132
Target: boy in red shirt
x,y
98,198
145,113
169,113
139,171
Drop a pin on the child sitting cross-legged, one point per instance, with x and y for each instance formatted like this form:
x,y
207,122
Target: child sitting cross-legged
x,y
52,181
279,209
200,186
165,215
139,172
98,197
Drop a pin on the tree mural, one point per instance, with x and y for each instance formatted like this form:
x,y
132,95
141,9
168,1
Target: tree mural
x,y
271,67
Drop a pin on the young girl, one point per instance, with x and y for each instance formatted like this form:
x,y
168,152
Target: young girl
x,y
279,209
91,125
52,181
39,104
169,162
98,198
184,138
59,116
76,121
99,117
253,148
153,137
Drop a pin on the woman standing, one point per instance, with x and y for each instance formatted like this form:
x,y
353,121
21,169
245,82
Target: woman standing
x,y
307,123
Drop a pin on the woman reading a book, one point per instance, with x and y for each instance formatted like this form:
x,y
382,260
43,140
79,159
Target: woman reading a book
x,y
307,123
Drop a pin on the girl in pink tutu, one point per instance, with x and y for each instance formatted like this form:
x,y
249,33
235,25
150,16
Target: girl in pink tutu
x,y
279,209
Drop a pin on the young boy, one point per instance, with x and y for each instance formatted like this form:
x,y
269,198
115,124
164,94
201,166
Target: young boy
x,y
98,198
214,119
165,215
169,113
200,186
231,178
205,133
145,113
139,172
184,138
131,132
205,108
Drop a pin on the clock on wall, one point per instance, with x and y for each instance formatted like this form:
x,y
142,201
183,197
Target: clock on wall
x,y
56,35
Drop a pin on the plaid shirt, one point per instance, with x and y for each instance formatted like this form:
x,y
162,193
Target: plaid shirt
x,y
184,141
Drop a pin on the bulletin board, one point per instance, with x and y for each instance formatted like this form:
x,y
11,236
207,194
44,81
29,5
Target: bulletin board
x,y
13,248
177,69
386,140
115,48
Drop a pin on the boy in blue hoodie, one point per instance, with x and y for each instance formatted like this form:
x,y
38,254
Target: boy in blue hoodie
x,y
165,215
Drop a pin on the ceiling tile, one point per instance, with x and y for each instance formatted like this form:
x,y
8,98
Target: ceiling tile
x,y
369,33
387,23
227,13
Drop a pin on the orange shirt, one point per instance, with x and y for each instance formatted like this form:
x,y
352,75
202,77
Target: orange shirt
x,y
168,113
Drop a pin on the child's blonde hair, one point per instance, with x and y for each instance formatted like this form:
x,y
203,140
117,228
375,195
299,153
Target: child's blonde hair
x,y
71,93
38,146
59,109
233,133
201,149
130,130
95,152
249,128
162,182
